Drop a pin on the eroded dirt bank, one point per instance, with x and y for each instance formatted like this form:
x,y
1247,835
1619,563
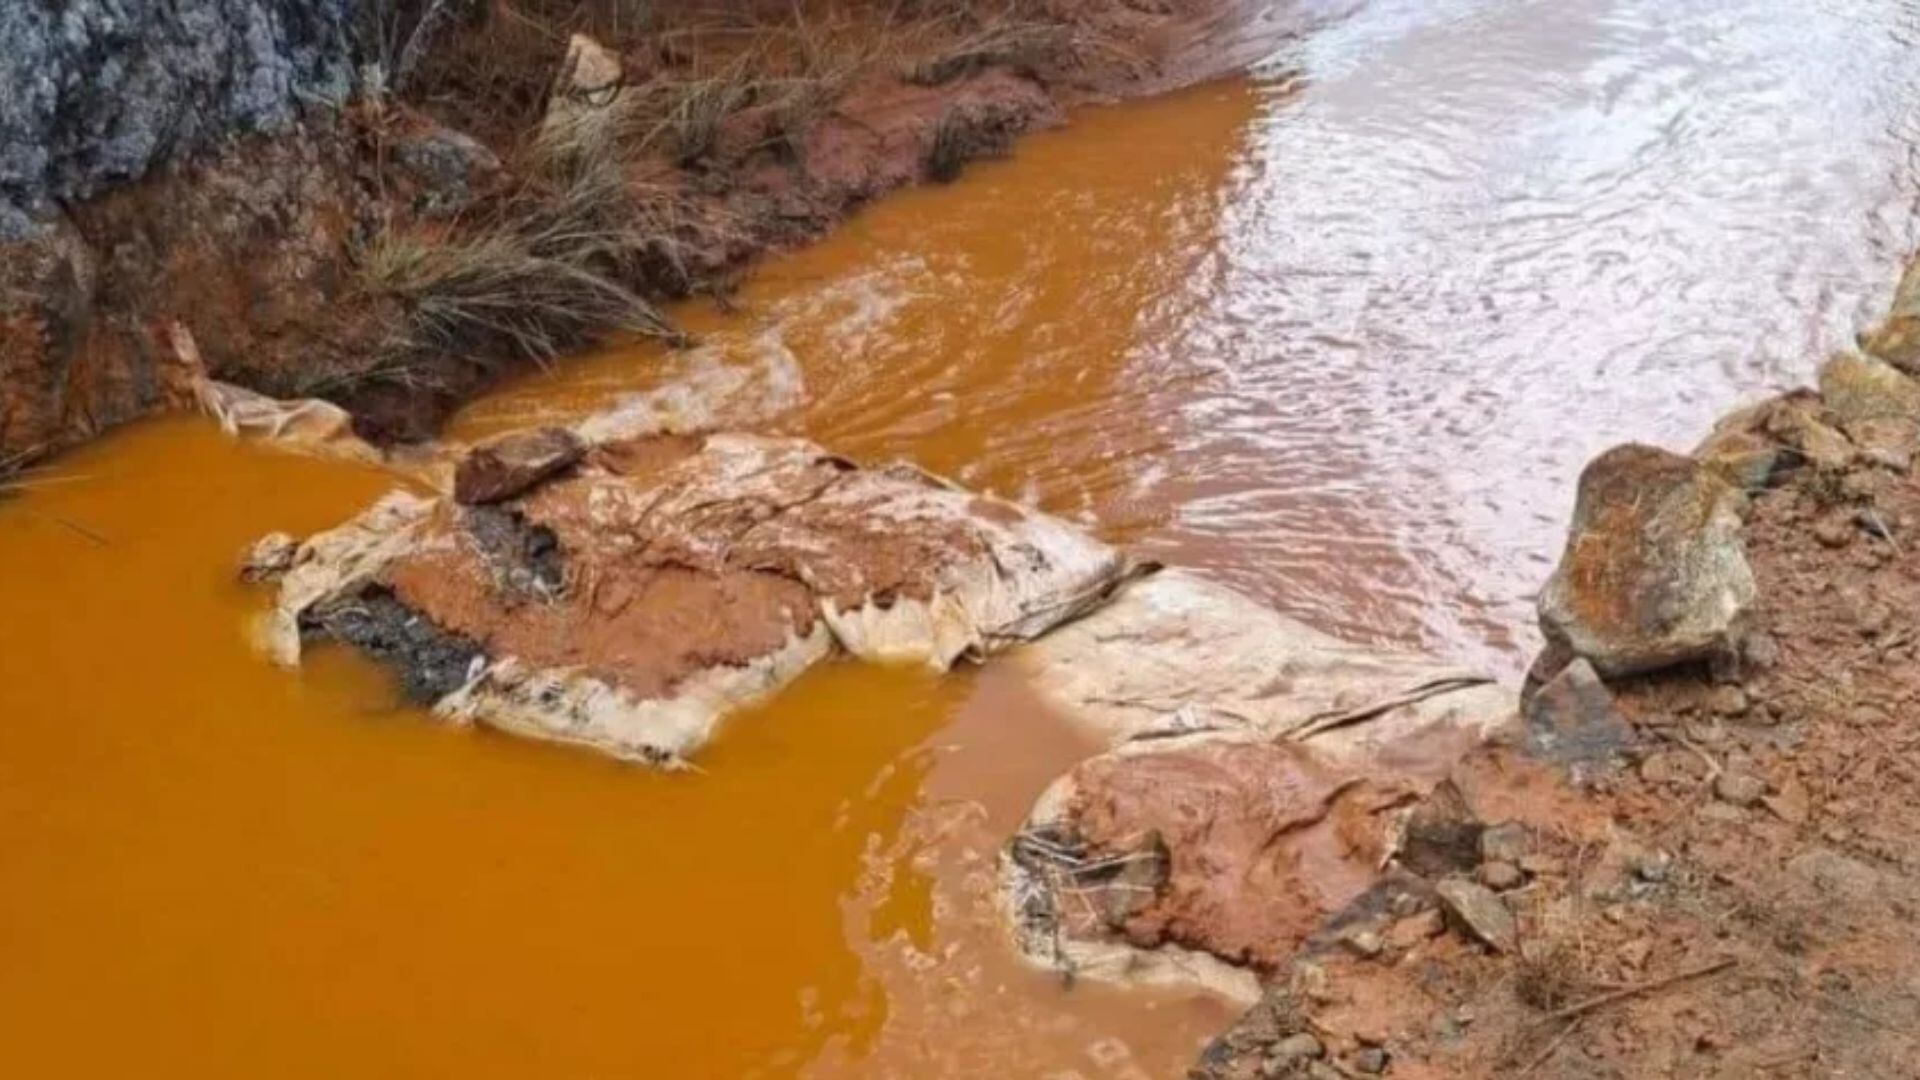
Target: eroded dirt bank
x,y
523,193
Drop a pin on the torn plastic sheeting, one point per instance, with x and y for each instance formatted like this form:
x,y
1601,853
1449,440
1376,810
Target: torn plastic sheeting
x,y
1270,763
629,604
1175,652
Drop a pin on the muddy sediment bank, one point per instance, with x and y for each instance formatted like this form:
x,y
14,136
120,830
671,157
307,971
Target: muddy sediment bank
x,y
521,194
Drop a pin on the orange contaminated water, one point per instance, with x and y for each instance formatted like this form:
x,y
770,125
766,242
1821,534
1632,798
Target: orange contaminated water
x,y
210,867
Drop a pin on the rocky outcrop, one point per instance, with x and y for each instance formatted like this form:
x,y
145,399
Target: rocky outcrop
x,y
1654,571
94,93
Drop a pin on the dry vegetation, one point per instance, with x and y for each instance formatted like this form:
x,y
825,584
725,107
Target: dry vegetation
x,y
610,193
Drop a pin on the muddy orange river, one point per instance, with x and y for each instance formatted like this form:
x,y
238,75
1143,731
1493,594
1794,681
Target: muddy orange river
x,y
1341,333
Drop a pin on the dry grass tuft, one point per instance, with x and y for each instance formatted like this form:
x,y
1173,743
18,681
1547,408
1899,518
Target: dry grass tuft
x,y
558,264
963,135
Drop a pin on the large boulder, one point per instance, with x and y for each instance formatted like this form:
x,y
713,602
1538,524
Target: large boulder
x,y
99,92
1654,572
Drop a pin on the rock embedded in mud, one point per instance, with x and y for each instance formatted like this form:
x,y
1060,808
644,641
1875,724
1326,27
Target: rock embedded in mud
x,y
1897,339
1739,789
1505,842
1655,571
1727,701
1877,406
511,464
1573,719
1293,1048
1480,912
451,168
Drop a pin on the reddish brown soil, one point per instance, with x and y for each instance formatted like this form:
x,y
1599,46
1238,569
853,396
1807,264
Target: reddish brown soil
x,y
650,563
1763,837
1265,842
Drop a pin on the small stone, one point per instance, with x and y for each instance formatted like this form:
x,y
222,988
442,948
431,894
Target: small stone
x,y
1480,912
1653,867
1310,981
1500,876
1364,943
1740,789
1506,842
1372,1061
1760,649
1662,767
1727,701
1834,530
1573,720
1301,1047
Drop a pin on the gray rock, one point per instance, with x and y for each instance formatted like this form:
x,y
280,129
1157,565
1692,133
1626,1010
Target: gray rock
x,y
1372,1061
1505,842
1301,1047
452,168
1364,943
1728,701
1654,572
1739,789
1480,913
1572,720
99,92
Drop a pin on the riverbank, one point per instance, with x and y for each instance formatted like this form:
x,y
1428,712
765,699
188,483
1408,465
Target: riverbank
x,y
526,191
1701,864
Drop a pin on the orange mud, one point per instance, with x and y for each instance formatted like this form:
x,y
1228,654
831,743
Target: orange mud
x,y
210,867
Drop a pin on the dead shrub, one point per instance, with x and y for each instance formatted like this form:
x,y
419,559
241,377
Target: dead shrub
x,y
963,135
